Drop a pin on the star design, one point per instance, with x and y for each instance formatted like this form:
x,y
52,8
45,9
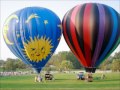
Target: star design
x,y
60,26
18,35
45,22
59,38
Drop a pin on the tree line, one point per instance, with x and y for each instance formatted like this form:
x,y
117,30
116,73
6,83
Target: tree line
x,y
64,60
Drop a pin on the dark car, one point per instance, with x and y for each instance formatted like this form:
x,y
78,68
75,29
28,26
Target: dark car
x,y
48,76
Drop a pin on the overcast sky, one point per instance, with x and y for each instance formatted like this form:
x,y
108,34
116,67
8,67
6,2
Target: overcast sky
x,y
60,7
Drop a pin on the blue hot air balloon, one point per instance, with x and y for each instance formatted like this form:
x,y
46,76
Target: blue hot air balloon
x,y
33,34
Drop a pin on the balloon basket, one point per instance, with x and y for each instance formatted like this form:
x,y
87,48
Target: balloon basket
x,y
89,77
89,70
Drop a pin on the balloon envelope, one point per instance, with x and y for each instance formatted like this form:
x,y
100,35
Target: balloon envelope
x,y
92,31
32,34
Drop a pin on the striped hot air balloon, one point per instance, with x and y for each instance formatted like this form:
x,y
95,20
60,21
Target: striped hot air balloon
x,y
92,31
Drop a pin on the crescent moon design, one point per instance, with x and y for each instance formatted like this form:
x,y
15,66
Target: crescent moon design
x,y
6,28
31,17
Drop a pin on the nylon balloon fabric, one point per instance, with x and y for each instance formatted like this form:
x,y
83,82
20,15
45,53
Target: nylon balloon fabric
x,y
92,31
33,34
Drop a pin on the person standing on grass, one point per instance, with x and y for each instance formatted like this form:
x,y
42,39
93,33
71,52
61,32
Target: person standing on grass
x,y
103,76
36,78
39,78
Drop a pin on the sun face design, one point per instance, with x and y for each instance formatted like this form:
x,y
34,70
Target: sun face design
x,y
38,49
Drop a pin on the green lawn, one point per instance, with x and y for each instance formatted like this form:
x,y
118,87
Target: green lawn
x,y
62,82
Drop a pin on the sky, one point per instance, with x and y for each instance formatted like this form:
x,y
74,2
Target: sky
x,y
60,7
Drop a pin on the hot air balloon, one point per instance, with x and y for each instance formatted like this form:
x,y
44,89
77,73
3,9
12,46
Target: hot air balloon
x,y
92,31
33,34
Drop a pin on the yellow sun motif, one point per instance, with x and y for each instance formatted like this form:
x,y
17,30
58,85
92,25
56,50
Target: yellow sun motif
x,y
38,49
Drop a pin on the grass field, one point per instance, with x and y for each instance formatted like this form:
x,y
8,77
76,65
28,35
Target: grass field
x,y
62,82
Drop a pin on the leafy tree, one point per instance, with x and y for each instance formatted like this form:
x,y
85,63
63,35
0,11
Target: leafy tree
x,y
116,65
57,59
2,62
62,55
66,65
20,64
117,55
106,65
10,65
13,64
76,64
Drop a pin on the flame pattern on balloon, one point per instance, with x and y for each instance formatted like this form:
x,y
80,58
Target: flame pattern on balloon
x,y
92,32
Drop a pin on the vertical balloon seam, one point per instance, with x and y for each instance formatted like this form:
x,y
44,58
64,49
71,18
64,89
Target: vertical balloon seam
x,y
16,43
73,34
78,32
31,31
15,46
36,31
107,56
59,32
18,46
22,31
51,30
36,24
41,67
117,42
86,33
46,39
68,31
12,48
79,27
43,37
100,34
114,32
37,68
24,60
54,35
13,38
33,24
95,26
38,61
108,29
45,30
27,31
65,35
